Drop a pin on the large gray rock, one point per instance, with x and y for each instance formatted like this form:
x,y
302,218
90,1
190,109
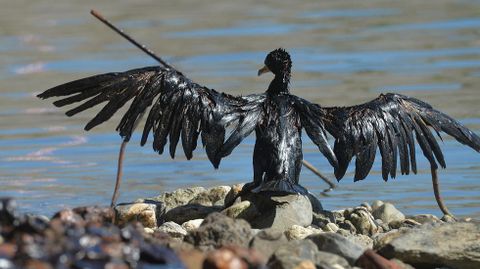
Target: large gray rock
x,y
388,213
267,241
455,245
280,212
218,230
316,204
339,245
304,254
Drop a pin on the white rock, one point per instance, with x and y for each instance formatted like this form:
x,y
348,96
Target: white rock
x,y
297,232
376,204
192,224
388,213
148,230
331,227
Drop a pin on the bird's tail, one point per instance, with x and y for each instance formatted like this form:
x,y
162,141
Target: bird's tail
x,y
284,186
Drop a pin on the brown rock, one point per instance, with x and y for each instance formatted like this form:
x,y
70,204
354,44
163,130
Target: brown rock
x,y
371,260
8,250
233,258
192,259
223,259
37,264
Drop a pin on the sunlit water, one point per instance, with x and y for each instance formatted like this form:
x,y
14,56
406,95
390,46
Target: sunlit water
x,y
344,53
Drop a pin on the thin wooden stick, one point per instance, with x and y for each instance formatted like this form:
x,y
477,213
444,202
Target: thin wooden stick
x,y
99,16
317,172
119,173
436,191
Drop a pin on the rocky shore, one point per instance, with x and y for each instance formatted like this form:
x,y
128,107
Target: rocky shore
x,y
192,228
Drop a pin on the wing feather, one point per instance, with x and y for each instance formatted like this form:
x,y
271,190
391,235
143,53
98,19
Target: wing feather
x,y
390,122
180,109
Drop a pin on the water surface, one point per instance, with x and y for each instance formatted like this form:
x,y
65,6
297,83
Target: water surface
x,y
344,53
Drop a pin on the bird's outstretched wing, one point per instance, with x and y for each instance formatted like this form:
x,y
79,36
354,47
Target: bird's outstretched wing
x,y
180,108
391,123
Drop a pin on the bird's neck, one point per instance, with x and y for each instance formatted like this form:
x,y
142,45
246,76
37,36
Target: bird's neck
x,y
280,84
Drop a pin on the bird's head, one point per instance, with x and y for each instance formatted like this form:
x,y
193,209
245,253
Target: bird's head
x,y
278,62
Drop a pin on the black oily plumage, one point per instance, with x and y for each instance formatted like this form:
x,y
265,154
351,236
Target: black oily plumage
x,y
182,110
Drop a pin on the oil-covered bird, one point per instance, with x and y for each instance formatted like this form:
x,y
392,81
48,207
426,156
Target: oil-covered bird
x,y
180,109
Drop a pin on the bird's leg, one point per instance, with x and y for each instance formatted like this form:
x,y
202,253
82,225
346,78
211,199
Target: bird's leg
x,y
121,154
436,191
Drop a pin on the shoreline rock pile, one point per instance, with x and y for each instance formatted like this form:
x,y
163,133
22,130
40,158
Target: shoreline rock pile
x,y
191,228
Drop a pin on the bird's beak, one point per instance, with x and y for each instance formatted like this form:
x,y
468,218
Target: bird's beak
x,y
262,70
